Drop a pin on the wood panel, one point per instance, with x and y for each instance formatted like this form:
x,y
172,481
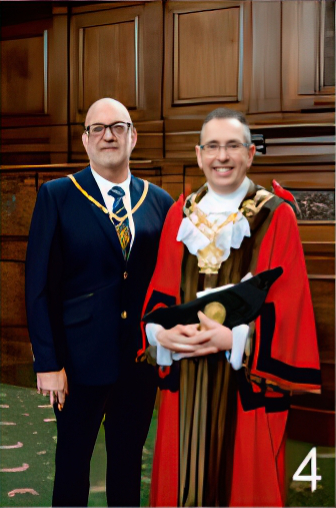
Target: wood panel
x,y
308,35
13,311
23,82
321,427
301,79
58,68
34,145
193,178
116,50
328,44
207,57
34,90
213,37
39,68
323,295
109,63
292,176
317,233
266,57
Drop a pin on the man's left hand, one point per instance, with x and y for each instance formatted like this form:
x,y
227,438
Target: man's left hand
x,y
219,337
54,384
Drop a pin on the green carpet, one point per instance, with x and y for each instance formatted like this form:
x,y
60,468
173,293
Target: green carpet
x,y
28,438
27,447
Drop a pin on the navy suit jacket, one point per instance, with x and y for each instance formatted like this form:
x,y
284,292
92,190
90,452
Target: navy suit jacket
x,y
76,289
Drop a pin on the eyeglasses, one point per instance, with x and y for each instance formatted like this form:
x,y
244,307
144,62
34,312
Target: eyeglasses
x,y
231,148
117,129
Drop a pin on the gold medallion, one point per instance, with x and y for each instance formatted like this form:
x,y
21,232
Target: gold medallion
x,y
215,311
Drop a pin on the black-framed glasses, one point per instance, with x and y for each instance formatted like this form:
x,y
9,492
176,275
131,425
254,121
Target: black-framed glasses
x,y
117,129
230,148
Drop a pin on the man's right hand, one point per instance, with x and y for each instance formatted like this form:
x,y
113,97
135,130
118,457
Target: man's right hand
x,y
54,384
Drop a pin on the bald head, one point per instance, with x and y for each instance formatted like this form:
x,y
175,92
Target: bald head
x,y
109,150
107,104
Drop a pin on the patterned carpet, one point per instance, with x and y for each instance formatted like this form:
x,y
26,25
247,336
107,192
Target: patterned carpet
x,y
28,438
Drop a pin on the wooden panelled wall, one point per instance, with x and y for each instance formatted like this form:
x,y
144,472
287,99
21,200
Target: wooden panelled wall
x,y
171,63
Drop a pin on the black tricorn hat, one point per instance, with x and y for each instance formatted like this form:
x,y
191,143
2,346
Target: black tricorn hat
x,y
242,302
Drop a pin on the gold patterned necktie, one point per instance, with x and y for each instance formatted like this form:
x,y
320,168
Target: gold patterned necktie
x,y
122,228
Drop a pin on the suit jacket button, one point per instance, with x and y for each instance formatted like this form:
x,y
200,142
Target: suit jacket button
x,y
124,314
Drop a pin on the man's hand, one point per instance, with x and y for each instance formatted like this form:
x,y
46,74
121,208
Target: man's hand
x,y
207,338
181,338
54,384
219,336
210,337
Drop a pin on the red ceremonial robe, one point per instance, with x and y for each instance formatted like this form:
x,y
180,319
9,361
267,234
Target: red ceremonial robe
x,y
289,361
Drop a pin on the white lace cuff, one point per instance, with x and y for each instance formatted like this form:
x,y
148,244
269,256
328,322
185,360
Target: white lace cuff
x,y
164,356
239,337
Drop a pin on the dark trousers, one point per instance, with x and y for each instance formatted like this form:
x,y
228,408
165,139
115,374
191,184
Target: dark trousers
x,y
128,406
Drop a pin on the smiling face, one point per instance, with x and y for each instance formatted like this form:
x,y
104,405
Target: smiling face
x,y
109,154
224,171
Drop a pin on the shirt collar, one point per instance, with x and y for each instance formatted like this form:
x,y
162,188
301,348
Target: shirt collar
x,y
107,184
217,203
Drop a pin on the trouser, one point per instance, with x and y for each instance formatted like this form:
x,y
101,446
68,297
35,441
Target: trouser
x,y
128,405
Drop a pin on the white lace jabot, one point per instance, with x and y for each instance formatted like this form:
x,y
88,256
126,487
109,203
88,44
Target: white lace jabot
x,y
217,208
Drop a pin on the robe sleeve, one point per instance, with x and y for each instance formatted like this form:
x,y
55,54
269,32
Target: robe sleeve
x,y
285,352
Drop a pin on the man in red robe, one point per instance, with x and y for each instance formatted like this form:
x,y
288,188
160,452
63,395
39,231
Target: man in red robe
x,y
225,393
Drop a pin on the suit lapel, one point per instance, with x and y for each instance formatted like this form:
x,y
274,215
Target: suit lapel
x,y
89,184
136,190
87,181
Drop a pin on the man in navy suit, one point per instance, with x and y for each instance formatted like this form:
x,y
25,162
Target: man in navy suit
x,y
88,267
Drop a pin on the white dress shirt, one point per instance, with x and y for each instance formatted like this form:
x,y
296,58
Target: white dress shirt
x,y
105,186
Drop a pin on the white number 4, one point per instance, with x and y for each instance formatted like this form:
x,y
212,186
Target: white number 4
x,y
312,477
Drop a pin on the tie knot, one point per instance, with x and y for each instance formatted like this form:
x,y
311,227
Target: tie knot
x,y
116,192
